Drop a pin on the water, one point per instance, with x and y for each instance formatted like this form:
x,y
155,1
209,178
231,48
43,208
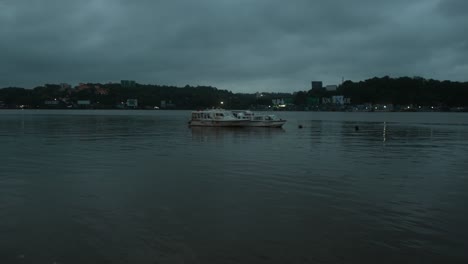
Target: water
x,y
142,187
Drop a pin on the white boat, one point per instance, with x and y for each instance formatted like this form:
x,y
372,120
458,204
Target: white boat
x,y
215,118
224,118
256,120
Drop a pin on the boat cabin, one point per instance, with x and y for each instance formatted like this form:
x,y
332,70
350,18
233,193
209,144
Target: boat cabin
x,y
215,114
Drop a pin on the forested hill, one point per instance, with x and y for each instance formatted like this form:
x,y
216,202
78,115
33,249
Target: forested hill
x,y
384,90
405,91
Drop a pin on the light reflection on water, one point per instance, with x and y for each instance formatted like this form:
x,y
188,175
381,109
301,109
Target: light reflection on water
x,y
142,187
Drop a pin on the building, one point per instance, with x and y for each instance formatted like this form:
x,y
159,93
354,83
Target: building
x,y
101,90
278,101
65,86
167,104
331,87
83,103
338,100
128,83
82,86
132,103
317,85
51,102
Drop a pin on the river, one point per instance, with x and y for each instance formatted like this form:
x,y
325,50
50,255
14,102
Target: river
x,y
115,186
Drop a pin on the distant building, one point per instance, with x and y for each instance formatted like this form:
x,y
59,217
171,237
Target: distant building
x,y
101,90
82,86
278,101
65,86
132,103
128,83
167,104
331,87
317,85
83,102
326,100
338,100
51,102
120,105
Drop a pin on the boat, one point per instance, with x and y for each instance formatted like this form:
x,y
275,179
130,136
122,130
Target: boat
x,y
259,120
215,118
224,118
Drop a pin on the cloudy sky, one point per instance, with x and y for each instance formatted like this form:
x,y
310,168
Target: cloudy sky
x,y
239,45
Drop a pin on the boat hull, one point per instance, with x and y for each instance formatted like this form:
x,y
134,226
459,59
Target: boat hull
x,y
278,123
236,123
217,123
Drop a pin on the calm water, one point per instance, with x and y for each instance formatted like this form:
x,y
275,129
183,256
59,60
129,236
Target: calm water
x,y
142,187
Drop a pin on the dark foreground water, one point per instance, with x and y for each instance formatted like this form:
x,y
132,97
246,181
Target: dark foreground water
x,y
142,187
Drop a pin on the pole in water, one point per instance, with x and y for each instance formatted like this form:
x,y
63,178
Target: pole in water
x,y
356,128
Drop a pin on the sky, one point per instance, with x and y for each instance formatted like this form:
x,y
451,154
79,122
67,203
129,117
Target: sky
x,y
238,45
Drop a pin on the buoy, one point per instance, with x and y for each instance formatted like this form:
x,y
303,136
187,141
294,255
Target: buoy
x,y
300,126
356,128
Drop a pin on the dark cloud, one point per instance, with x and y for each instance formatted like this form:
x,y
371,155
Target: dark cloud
x,y
454,7
262,45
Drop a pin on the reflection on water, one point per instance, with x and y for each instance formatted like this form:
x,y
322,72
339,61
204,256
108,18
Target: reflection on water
x,y
207,133
384,133
143,187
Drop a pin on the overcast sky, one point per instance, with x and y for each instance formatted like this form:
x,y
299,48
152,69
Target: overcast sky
x,y
239,45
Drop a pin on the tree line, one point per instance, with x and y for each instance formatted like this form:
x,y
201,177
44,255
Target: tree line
x,y
406,91
397,91
383,90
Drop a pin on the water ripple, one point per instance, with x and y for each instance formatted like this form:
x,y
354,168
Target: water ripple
x,y
141,186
